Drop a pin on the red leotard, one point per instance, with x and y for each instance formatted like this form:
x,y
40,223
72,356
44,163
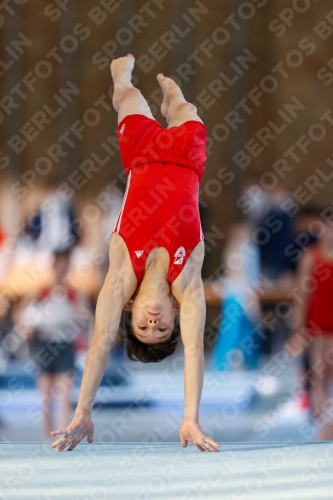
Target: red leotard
x,y
320,310
160,208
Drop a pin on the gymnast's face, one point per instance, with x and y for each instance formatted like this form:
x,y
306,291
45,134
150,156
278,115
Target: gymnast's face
x,y
153,319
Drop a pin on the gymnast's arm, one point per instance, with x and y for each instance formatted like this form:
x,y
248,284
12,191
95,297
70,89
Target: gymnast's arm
x,y
116,291
107,318
192,324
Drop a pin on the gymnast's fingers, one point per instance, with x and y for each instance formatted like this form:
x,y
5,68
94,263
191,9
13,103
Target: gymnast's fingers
x,y
59,441
73,444
56,433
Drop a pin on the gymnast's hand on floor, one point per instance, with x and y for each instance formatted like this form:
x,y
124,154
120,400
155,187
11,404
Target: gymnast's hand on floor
x,y
80,427
191,431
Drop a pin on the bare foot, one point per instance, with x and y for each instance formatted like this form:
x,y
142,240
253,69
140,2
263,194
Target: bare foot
x,y
122,67
170,89
121,71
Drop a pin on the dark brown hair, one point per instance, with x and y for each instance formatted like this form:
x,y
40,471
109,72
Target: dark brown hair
x,y
148,353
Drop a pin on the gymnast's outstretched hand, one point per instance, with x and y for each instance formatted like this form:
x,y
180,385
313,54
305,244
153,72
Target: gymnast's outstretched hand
x,y
80,427
191,431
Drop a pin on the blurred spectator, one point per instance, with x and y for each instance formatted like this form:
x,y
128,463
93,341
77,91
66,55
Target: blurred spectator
x,y
53,317
2,270
5,320
52,226
313,314
240,302
274,233
308,229
2,255
254,202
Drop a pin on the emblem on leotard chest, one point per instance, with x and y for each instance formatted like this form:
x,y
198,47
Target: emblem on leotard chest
x,y
179,255
138,253
122,128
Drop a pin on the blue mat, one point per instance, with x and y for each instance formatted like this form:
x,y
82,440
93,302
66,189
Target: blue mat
x,y
142,471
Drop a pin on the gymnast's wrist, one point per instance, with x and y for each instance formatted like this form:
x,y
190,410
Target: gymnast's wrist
x,y
191,419
82,412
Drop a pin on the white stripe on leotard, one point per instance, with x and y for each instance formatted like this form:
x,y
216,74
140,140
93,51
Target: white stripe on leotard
x,y
201,231
117,226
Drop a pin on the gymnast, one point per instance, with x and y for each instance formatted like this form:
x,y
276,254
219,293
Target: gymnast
x,y
156,253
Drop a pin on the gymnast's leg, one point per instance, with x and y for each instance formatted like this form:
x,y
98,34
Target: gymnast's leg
x,y
174,107
127,100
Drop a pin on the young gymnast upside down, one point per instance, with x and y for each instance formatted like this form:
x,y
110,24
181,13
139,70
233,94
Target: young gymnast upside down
x,y
156,252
